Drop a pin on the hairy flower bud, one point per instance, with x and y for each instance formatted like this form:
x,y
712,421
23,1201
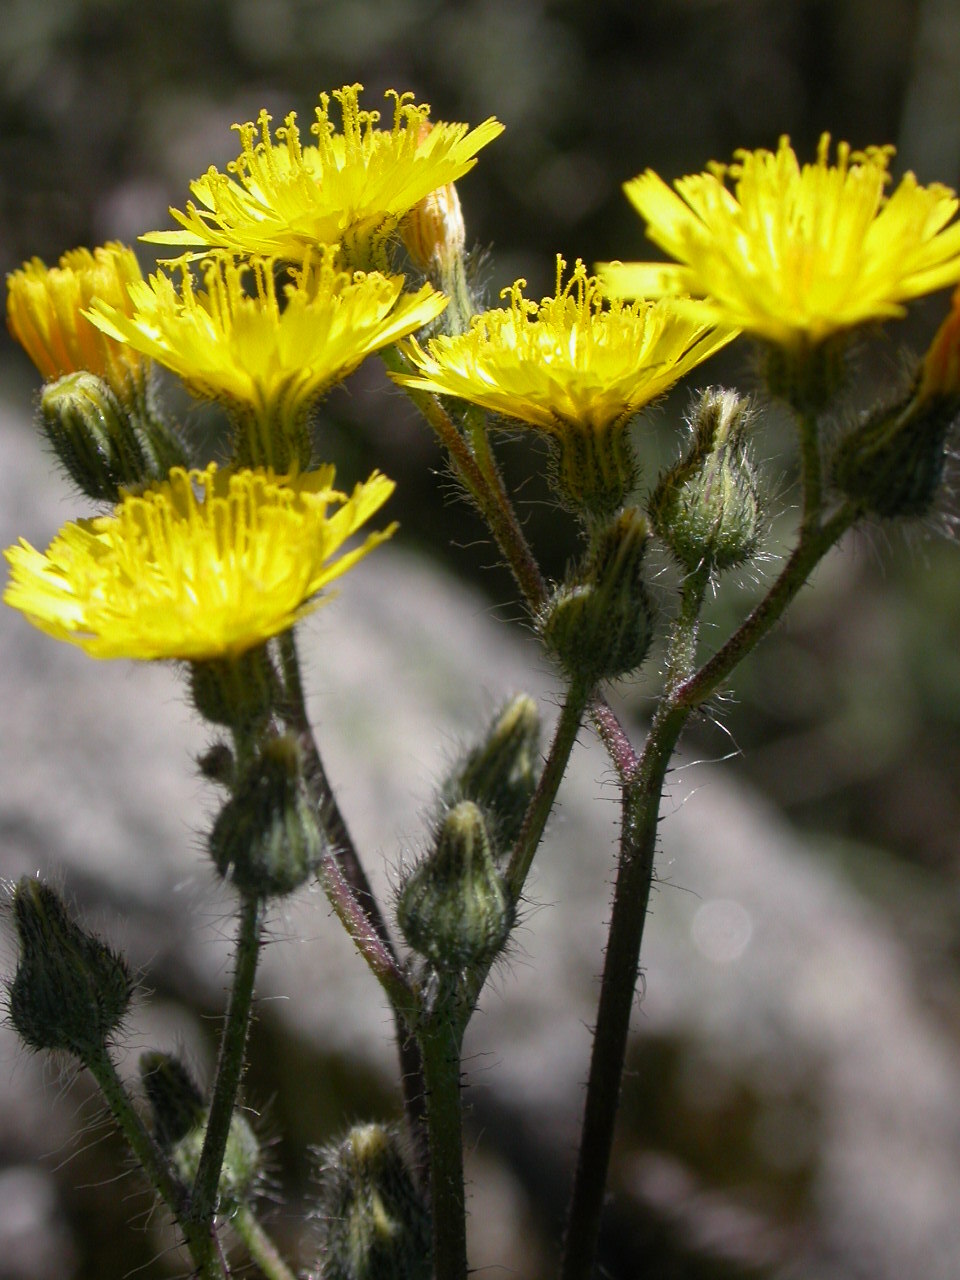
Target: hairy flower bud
x,y
500,773
374,1224
179,1114
893,462
707,508
217,764
267,838
454,907
600,624
92,435
70,990
176,1103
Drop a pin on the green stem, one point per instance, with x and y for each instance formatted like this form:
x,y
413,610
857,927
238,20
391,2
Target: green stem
x,y
440,1046
331,816
341,872
638,837
349,891
259,1245
641,808
490,498
808,553
811,471
541,805
233,1043
156,1166
685,690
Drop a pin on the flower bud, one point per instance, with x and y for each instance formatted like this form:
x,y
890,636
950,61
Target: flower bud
x,y
600,625
434,233
500,773
267,838
217,764
92,435
893,462
707,508
237,691
176,1103
374,1224
70,990
454,908
435,236
180,1124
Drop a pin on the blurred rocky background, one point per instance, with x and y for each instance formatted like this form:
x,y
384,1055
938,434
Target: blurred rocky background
x,y
793,1103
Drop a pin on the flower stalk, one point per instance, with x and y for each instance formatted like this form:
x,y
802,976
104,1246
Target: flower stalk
x,y
204,1195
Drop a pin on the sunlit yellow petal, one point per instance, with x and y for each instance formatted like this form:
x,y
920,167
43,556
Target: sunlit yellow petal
x,y
794,253
207,565
571,359
46,314
257,349
282,198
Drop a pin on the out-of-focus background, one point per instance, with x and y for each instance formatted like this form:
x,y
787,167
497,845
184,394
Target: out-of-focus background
x,y
792,1106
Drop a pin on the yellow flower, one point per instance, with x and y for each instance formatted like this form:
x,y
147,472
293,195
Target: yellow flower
x,y
283,198
573,366
45,313
206,565
571,360
270,362
790,254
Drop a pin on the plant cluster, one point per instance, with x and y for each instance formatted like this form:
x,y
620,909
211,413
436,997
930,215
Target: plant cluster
x,y
307,256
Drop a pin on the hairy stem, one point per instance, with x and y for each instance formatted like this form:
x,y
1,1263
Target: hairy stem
x,y
440,1046
233,1043
808,553
685,690
259,1245
347,887
198,1237
541,805
638,834
483,487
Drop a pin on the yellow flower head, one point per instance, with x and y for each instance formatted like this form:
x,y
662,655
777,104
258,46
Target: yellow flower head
x,y
570,361
45,313
574,366
281,198
267,356
794,254
204,566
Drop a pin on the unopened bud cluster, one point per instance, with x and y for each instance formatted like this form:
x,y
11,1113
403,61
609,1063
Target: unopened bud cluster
x,y
267,838
373,1222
